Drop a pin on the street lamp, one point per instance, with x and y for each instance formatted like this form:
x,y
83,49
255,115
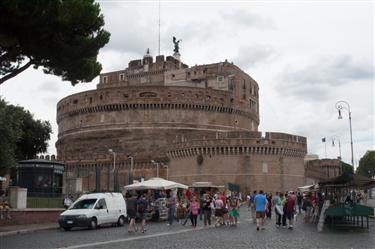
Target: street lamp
x,y
157,167
166,166
343,105
113,170
131,169
334,138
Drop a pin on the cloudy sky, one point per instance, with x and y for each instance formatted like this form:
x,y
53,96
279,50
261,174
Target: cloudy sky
x,y
305,56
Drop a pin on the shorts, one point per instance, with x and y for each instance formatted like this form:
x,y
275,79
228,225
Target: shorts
x,y
260,214
219,212
132,214
233,213
289,215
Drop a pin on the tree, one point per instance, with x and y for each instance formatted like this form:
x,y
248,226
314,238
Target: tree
x,y
346,168
21,136
61,36
367,164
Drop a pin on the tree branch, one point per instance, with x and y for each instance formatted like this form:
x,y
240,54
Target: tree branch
x,y
16,72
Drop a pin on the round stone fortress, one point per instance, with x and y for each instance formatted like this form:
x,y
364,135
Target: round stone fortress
x,y
197,123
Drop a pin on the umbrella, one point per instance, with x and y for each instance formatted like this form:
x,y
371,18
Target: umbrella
x,y
155,183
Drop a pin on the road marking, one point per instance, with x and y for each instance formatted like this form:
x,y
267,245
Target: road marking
x,y
129,239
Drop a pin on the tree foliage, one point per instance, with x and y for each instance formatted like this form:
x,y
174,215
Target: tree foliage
x,y
367,164
346,168
21,136
61,36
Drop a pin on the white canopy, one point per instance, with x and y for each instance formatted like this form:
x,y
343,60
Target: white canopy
x,y
308,188
155,183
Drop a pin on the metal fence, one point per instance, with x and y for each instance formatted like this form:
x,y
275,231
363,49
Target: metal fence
x,y
44,200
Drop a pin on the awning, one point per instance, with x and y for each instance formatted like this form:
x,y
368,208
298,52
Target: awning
x,y
155,183
349,180
308,188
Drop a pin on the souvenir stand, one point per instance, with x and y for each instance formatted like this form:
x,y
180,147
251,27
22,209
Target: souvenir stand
x,y
342,210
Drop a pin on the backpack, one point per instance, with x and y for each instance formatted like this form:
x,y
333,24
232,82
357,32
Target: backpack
x,y
142,205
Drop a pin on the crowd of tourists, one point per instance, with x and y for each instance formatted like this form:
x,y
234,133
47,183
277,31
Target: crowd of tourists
x,y
222,208
213,208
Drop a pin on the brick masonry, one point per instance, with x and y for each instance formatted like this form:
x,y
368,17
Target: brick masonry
x,y
31,216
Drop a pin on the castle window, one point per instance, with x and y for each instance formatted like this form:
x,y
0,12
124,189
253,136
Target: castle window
x,y
220,78
101,97
105,79
75,101
264,167
122,77
90,100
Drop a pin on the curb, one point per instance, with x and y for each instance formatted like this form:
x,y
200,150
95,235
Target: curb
x,y
22,231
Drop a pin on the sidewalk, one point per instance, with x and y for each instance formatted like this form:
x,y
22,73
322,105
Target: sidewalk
x,y
18,229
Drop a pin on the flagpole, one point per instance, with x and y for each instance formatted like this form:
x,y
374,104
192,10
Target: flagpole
x,y
325,146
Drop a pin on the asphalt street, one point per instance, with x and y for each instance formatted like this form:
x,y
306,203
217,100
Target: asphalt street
x,y
159,235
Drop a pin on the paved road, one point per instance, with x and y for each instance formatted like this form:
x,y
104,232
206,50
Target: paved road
x,y
159,235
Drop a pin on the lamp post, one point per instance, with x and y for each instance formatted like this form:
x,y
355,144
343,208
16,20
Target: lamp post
x,y
157,167
343,105
114,167
131,169
166,166
334,138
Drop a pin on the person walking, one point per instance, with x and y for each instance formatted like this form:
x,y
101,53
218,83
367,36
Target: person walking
x,y
276,205
252,206
142,210
194,209
233,209
68,200
207,210
219,206
290,209
171,205
299,202
260,202
269,205
4,206
131,208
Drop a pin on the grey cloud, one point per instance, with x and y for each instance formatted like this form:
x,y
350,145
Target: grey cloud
x,y
248,56
50,101
49,86
315,80
129,32
248,19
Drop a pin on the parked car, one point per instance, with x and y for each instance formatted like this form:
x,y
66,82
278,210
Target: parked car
x,y
92,210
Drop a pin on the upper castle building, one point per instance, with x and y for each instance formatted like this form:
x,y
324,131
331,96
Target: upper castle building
x,y
198,123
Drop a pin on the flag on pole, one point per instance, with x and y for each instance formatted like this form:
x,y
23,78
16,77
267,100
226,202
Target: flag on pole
x,y
323,140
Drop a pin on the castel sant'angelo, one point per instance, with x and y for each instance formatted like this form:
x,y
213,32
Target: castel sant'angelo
x,y
189,124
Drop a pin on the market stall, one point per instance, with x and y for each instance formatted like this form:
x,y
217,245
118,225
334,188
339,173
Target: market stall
x,y
158,207
344,208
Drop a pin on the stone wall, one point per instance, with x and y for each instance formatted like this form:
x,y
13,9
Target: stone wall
x,y
253,163
158,110
32,216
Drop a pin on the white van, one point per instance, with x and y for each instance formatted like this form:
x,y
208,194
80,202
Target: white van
x,y
92,210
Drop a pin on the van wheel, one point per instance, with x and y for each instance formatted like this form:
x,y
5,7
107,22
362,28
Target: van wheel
x,y
93,224
121,221
67,228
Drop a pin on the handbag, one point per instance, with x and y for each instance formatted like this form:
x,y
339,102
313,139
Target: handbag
x,y
279,209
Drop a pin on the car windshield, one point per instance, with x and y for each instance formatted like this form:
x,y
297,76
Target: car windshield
x,y
84,204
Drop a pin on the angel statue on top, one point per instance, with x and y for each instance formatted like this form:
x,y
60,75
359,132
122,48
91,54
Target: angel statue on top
x,y
176,42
